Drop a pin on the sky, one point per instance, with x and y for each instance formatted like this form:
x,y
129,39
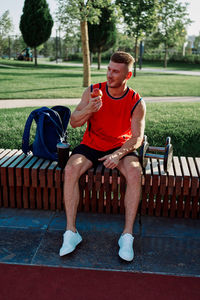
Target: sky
x,y
15,8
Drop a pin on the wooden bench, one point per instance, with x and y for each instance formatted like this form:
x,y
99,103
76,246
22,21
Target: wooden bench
x,y
35,183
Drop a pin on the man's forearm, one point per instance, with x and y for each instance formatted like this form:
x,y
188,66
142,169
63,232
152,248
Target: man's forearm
x,y
78,118
129,146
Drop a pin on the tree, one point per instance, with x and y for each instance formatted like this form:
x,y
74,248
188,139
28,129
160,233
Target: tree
x,y
5,27
36,23
173,17
197,43
5,23
82,11
140,17
103,36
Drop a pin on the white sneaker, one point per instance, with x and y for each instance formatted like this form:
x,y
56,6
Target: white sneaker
x,y
70,241
126,247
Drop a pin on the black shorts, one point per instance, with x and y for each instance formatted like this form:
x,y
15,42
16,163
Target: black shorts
x,y
93,155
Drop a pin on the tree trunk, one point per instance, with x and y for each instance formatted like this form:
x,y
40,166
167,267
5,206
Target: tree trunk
x,y
166,55
99,60
35,54
135,63
86,54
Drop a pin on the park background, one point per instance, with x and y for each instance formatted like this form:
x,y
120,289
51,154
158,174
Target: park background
x,y
60,71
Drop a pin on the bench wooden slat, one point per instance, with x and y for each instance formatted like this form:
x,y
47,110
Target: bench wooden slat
x,y
155,182
52,198
148,177
122,193
196,199
35,172
4,156
197,162
93,195
107,189
4,168
19,197
26,193
32,196
98,177
162,208
45,198
50,174
19,170
163,178
43,173
13,155
178,188
178,174
186,175
99,186
82,185
171,179
12,168
27,171
90,186
115,191
194,174
39,196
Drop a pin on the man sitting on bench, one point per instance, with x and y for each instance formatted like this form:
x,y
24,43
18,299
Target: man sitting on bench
x,y
115,129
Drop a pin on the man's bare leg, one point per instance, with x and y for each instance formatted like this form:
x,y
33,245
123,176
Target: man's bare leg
x,y
131,169
76,166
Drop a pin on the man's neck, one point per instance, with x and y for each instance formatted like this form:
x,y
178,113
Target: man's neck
x,y
117,92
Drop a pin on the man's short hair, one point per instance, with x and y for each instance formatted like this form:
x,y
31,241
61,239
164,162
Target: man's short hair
x,y
123,58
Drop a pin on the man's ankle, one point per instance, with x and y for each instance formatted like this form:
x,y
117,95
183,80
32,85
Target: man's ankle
x,y
127,231
71,228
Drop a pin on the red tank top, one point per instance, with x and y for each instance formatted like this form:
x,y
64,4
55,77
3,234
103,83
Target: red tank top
x,y
110,127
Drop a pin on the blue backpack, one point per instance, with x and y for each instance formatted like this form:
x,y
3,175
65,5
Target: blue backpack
x,y
51,128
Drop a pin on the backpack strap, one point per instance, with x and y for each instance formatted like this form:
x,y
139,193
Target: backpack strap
x,y
26,135
64,113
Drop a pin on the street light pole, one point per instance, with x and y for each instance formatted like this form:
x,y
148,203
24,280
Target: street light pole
x,y
56,47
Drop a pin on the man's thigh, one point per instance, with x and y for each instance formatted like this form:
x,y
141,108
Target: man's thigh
x,y
79,163
127,163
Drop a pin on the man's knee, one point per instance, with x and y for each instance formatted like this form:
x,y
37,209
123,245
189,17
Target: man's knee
x,y
75,167
133,172
70,170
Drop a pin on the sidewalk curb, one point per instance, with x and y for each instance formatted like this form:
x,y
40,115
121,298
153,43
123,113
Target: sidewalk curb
x,y
14,103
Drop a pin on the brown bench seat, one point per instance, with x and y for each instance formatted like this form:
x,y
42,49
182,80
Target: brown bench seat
x,y
32,182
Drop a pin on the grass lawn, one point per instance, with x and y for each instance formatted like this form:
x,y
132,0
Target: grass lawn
x,y
25,81
179,120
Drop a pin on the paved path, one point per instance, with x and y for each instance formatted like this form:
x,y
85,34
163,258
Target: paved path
x,y
50,102
162,245
154,70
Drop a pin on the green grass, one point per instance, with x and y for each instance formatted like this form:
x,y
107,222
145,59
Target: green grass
x,y
178,120
25,81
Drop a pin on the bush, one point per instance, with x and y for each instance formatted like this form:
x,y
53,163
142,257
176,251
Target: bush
x,y
180,121
74,57
176,57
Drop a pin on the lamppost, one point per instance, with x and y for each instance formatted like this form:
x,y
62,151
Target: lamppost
x,y
141,53
56,47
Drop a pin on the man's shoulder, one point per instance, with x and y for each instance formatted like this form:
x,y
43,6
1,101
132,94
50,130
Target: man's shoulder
x,y
134,93
100,85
